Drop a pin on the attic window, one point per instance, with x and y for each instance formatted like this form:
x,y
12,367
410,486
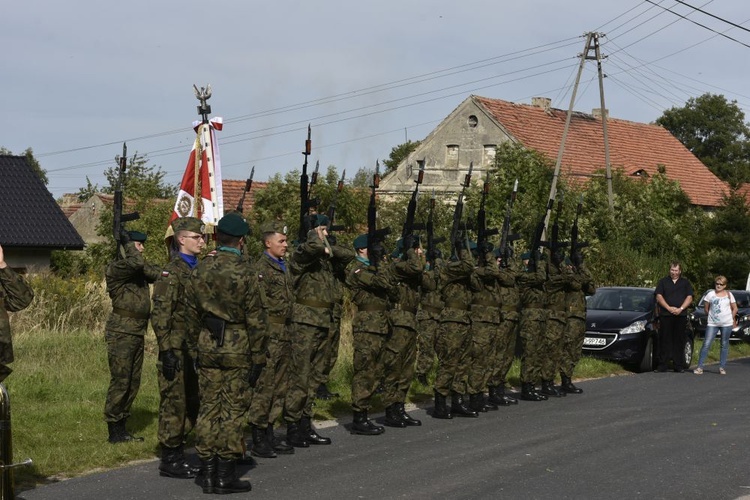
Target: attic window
x,y
472,121
490,150
451,155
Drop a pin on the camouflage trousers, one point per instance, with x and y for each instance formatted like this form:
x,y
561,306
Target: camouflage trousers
x,y
504,350
6,358
224,399
329,354
178,403
125,355
532,339
452,348
397,360
483,336
553,344
307,360
368,368
428,328
268,396
575,331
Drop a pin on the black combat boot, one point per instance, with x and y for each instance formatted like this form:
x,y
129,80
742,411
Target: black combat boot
x,y
567,386
422,379
280,446
393,416
528,393
476,403
549,389
294,436
308,431
408,419
508,400
262,447
173,464
364,426
227,480
459,408
441,409
119,434
322,392
207,477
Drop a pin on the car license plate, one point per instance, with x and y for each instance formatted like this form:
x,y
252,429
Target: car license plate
x,y
594,341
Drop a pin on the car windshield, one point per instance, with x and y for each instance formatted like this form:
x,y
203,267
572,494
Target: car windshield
x,y
606,299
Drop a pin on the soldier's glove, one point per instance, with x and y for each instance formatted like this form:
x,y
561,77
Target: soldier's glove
x,y
255,372
170,364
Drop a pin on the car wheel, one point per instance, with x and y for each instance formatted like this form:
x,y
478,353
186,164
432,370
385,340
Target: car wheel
x,y
688,352
647,362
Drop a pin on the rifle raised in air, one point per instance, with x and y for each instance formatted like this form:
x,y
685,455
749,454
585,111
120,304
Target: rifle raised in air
x,y
375,236
332,207
537,241
575,256
432,242
304,192
506,239
483,232
457,235
407,233
119,219
248,186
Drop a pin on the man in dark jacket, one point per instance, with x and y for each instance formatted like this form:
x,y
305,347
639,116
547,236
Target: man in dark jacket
x,y
673,295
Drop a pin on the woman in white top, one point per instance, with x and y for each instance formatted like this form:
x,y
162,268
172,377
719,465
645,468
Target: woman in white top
x,y
721,310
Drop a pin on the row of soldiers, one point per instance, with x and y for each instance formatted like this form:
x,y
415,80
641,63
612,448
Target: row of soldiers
x,y
244,341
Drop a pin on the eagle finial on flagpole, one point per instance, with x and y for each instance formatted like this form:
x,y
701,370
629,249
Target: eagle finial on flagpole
x,y
203,95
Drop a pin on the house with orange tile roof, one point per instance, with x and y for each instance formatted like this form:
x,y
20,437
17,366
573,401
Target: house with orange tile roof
x,y
475,129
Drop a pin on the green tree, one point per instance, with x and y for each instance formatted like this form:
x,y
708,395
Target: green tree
x,y
87,192
141,180
398,154
729,234
35,165
714,130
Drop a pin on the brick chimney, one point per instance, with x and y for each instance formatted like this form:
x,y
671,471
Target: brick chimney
x,y
597,113
544,103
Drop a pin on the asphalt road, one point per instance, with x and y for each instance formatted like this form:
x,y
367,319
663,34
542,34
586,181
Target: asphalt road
x,y
653,435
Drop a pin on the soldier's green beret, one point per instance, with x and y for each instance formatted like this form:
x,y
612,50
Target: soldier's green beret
x,y
233,224
273,227
188,224
526,256
496,252
137,236
360,242
472,245
320,220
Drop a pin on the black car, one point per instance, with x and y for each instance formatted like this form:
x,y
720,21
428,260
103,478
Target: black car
x,y
742,332
621,325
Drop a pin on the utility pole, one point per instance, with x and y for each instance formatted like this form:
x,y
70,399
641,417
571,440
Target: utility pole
x,y
592,43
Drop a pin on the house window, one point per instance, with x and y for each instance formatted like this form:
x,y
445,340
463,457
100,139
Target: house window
x,y
488,159
451,157
472,121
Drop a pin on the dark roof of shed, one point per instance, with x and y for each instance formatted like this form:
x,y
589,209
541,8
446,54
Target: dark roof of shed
x,y
29,215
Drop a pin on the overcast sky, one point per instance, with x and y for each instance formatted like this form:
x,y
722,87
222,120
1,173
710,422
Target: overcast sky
x,y
82,76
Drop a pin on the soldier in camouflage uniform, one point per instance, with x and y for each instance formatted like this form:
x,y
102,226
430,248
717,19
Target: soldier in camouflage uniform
x,y
314,266
505,342
400,349
532,286
127,285
454,336
178,381
15,294
558,279
580,285
370,287
276,295
431,306
225,323
485,322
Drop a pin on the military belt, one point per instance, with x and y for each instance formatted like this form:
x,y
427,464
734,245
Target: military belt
x,y
372,308
279,320
315,303
432,309
400,307
129,314
534,305
457,305
485,303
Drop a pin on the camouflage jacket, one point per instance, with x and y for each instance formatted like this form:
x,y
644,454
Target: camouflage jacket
x,y
170,306
15,294
407,277
370,288
276,296
455,278
127,286
316,280
510,298
223,286
558,281
485,302
431,303
580,285
532,288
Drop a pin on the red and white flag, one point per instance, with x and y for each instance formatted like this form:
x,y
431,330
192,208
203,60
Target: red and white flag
x,y
205,162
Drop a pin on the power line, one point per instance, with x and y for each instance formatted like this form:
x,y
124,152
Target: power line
x,y
715,17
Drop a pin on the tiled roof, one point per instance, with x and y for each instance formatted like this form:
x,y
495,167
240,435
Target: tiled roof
x,y
29,216
633,146
233,192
